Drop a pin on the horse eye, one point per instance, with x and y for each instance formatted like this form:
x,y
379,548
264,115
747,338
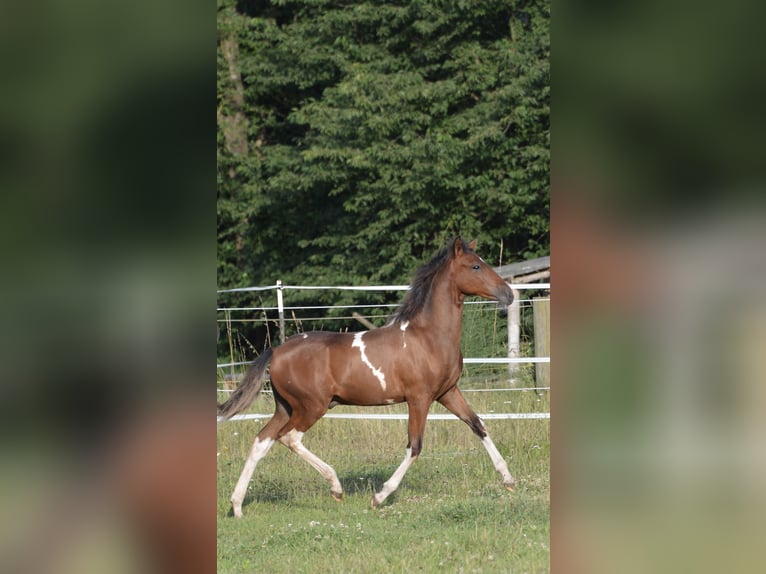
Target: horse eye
x,y
476,267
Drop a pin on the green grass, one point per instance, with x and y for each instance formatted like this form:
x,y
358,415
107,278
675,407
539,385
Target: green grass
x,y
450,513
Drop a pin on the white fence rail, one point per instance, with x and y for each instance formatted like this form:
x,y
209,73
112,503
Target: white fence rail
x,y
281,308
279,285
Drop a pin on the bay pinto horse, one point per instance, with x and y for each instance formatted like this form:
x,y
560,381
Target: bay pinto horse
x,y
415,358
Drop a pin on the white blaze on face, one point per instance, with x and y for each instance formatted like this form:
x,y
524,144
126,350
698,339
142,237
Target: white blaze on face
x,y
403,327
377,372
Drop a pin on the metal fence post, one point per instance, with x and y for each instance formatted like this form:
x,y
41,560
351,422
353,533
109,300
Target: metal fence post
x,y
514,330
281,307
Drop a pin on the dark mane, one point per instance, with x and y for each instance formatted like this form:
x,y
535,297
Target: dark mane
x,y
420,286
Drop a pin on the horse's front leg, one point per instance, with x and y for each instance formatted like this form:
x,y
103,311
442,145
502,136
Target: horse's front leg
x,y
418,412
454,401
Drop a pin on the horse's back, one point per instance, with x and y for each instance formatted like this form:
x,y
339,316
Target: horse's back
x,y
302,365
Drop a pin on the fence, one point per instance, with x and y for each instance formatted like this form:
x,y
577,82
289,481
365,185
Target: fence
x,y
280,309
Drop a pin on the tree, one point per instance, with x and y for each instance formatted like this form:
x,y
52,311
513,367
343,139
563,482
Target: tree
x,y
376,130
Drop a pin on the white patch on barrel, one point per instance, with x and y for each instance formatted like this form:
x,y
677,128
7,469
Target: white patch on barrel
x,y
377,372
403,327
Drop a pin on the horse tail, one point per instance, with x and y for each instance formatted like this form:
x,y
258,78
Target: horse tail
x,y
248,389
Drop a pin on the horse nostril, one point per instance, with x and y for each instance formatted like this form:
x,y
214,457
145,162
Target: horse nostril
x,y
504,295
508,295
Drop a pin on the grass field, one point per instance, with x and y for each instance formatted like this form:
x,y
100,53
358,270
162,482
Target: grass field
x,y
450,514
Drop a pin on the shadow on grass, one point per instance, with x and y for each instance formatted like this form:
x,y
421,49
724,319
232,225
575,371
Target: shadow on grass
x,y
363,483
261,498
268,493
271,492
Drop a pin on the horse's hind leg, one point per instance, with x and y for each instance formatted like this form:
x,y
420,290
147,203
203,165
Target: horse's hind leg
x,y
454,401
292,438
263,443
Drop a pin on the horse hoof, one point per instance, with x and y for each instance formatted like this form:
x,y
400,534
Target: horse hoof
x,y
509,485
374,503
337,496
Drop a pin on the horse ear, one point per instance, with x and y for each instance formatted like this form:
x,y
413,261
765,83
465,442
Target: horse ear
x,y
472,245
457,247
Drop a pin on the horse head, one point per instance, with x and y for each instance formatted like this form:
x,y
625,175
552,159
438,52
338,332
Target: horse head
x,y
474,276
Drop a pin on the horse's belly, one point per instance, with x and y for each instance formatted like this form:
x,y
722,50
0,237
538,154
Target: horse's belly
x,y
366,395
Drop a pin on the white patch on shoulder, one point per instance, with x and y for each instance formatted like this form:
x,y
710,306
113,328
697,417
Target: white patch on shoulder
x,y
377,372
403,327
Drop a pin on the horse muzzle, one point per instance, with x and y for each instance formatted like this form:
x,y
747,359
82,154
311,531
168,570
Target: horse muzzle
x,y
504,294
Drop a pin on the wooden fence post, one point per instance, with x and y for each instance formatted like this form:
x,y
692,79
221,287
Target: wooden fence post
x,y
541,309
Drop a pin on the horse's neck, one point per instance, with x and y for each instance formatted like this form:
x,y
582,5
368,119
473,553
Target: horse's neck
x,y
444,310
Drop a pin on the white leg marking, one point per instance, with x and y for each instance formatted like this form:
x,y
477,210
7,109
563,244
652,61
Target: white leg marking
x,y
257,452
403,327
393,483
305,336
377,372
498,461
293,440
